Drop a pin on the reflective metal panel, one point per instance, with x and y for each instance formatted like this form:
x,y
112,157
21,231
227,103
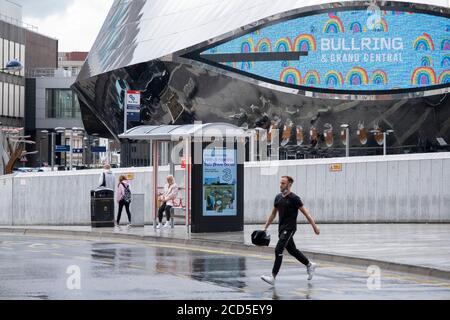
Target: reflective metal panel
x,y
138,31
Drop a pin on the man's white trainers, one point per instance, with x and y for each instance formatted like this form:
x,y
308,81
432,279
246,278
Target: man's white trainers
x,y
310,269
269,279
167,224
158,226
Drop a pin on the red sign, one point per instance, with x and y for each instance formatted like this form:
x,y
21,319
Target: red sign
x,y
183,164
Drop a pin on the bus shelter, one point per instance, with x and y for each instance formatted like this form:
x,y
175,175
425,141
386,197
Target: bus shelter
x,y
210,158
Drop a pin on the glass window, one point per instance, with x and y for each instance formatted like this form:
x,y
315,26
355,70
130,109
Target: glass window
x,y
1,52
11,51
16,101
5,52
17,55
22,59
62,103
5,98
22,102
11,100
1,99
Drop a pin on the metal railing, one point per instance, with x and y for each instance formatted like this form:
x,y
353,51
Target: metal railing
x,y
18,22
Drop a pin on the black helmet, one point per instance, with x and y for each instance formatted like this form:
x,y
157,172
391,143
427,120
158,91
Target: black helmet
x,y
260,238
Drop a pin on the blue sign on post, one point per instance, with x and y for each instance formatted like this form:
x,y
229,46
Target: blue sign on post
x,y
98,149
62,148
133,102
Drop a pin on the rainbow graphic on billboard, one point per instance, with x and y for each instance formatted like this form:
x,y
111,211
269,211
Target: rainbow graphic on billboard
x,y
356,27
333,25
423,42
382,26
379,77
291,75
312,78
305,42
423,76
444,77
357,76
333,79
426,61
445,44
247,46
445,61
283,45
263,45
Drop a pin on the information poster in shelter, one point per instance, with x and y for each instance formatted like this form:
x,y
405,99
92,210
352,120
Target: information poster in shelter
x,y
219,182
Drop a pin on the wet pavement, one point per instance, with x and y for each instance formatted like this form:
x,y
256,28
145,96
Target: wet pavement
x,y
46,268
426,245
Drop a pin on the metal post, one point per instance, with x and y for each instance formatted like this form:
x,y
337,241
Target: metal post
x,y
187,183
1,152
125,113
384,143
155,180
347,143
53,151
71,150
253,145
109,152
83,155
40,151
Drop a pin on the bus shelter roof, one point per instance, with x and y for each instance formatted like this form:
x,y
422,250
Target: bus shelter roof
x,y
175,132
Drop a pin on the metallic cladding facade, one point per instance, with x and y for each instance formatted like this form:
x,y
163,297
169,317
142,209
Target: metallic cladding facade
x,y
156,47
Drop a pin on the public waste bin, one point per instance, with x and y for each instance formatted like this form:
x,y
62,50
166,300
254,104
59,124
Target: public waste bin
x,y
102,208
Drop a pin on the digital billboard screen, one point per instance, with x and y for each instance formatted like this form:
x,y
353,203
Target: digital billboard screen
x,y
349,50
219,182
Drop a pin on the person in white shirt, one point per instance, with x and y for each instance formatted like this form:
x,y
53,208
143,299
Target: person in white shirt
x,y
166,198
106,178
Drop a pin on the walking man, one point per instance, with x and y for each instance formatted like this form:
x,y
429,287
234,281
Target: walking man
x,y
287,204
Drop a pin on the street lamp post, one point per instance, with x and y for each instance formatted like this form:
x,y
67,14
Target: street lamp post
x,y
40,145
40,148
53,151
71,150
386,133
95,135
347,139
74,129
84,150
57,130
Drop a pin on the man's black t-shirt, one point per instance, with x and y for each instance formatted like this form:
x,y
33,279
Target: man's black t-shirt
x,y
288,211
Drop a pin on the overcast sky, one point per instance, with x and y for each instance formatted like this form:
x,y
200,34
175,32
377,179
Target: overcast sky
x,y
75,23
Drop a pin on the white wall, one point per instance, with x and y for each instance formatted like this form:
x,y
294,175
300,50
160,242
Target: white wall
x,y
58,198
412,188
403,188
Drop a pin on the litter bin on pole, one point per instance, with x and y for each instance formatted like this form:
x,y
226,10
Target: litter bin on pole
x,y
102,208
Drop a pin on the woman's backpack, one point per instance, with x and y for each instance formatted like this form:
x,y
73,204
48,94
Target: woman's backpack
x,y
127,193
